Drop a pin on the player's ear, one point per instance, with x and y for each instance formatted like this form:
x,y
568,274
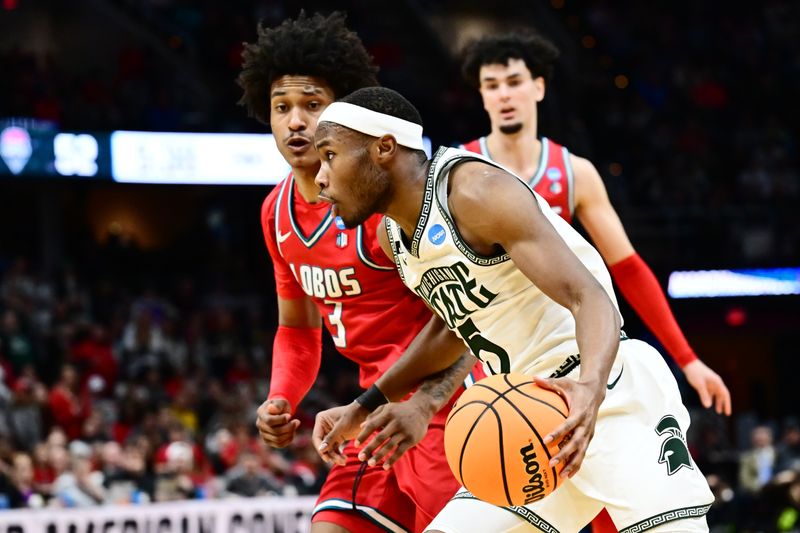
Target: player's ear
x,y
540,88
384,149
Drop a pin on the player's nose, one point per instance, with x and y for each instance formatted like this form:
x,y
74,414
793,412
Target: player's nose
x,y
297,120
321,179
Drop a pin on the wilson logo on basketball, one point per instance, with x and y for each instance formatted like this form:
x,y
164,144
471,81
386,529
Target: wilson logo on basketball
x,y
534,490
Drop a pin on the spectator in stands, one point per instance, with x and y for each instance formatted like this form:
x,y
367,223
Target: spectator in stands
x,y
758,463
68,405
788,450
250,479
80,486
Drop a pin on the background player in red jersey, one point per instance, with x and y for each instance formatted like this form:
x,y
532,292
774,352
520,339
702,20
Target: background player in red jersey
x,y
511,72
326,273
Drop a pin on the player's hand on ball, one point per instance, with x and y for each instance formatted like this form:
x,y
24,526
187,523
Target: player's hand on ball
x,y
333,427
275,423
400,426
709,386
584,400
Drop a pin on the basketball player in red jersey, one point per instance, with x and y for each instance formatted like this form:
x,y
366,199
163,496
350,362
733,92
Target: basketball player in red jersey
x,y
328,274
511,72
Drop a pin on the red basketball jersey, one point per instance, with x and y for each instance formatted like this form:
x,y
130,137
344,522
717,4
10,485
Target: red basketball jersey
x,y
371,316
553,178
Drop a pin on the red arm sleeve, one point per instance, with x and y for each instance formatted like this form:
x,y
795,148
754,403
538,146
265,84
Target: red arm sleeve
x,y
285,283
296,352
641,289
296,356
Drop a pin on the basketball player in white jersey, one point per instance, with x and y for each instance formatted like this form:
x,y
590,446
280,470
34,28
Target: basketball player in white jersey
x,y
512,71
526,293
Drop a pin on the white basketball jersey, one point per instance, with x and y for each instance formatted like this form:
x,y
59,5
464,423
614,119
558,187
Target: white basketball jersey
x,y
506,320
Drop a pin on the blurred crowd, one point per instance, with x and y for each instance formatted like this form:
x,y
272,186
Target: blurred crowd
x,y
754,474
149,398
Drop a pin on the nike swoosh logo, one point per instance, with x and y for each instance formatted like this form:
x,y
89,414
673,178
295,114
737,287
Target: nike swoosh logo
x,y
282,238
614,383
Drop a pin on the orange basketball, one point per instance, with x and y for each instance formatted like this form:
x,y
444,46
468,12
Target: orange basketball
x,y
494,439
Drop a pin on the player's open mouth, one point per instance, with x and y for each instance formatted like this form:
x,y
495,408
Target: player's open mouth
x,y
507,112
298,144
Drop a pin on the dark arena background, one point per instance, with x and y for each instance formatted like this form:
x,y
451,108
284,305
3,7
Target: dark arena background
x,y
137,298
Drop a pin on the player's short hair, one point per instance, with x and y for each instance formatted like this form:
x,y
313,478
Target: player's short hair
x,y
309,46
389,102
386,101
538,53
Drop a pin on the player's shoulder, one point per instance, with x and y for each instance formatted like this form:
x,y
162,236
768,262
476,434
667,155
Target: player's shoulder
x,y
271,200
473,181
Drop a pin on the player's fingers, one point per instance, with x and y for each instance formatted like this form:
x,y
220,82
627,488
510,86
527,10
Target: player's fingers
x,y
278,431
567,451
705,395
402,448
558,385
378,440
388,447
372,423
723,400
564,429
329,436
575,460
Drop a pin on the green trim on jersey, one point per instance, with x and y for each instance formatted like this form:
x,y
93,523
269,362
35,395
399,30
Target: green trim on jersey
x,y
668,516
318,232
362,252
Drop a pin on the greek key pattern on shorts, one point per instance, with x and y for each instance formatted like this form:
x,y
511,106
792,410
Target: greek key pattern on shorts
x,y
669,516
522,512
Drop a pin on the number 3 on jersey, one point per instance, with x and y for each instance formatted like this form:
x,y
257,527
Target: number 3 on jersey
x,y
335,320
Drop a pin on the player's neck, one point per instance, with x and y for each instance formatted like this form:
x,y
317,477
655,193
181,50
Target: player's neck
x,y
304,179
519,152
407,195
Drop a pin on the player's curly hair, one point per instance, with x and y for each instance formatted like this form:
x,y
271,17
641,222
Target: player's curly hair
x,y
308,46
538,53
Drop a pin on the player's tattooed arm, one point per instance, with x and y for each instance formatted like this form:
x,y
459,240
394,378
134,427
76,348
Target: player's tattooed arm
x,y
440,387
402,425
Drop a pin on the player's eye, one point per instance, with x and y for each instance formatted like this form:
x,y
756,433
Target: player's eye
x,y
314,105
281,108
328,155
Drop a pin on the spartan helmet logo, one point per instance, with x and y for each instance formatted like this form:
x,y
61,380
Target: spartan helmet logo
x,y
674,451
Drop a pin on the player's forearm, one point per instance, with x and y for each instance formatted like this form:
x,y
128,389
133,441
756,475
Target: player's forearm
x,y
597,331
296,357
437,389
642,290
433,350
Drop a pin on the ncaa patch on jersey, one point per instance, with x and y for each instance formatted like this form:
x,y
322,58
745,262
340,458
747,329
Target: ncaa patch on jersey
x,y
339,222
553,174
437,234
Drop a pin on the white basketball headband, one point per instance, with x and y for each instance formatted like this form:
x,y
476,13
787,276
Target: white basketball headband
x,y
374,124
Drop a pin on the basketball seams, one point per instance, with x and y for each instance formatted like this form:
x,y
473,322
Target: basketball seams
x,y
516,388
535,432
486,407
500,412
